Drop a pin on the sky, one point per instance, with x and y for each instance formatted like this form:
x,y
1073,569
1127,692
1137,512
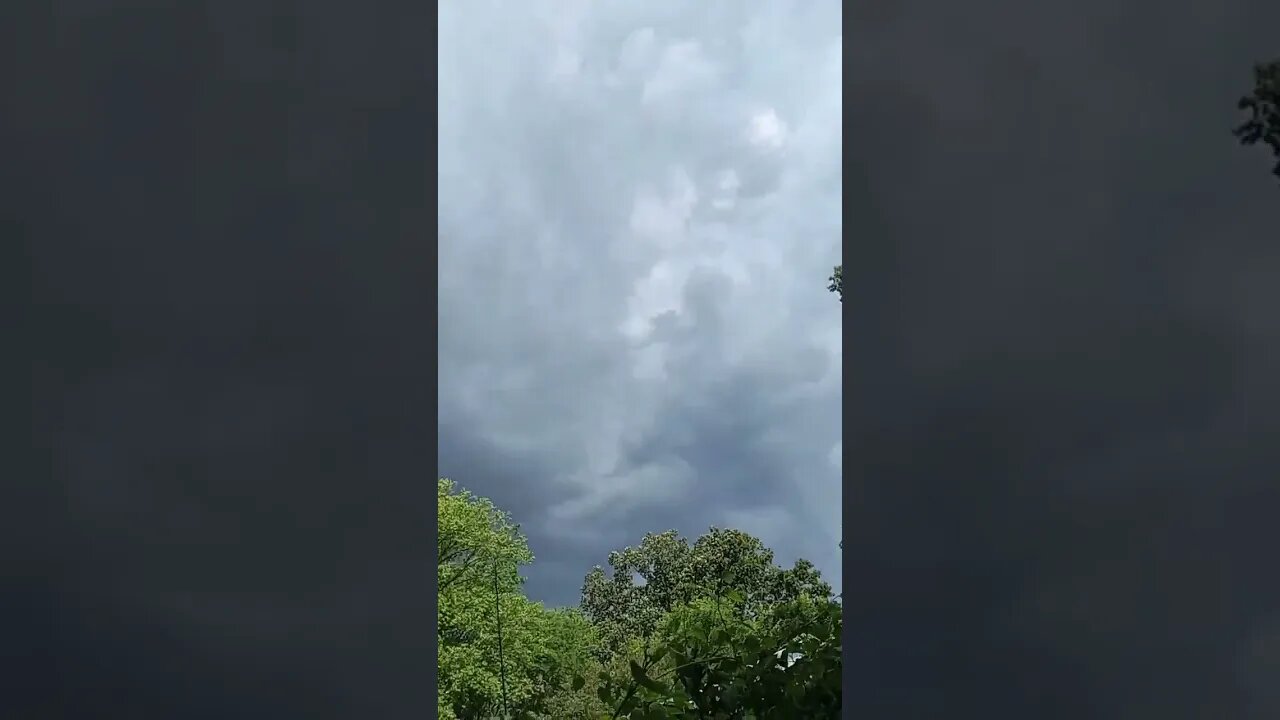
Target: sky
x,y
639,208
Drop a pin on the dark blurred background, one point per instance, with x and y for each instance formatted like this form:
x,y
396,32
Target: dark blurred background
x,y
1063,470
227,208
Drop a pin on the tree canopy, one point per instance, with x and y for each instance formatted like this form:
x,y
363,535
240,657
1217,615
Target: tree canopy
x,y
480,671
665,572
708,629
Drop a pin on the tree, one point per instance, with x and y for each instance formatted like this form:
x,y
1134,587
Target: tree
x,y
711,629
837,281
480,551
664,573
1263,104
570,640
473,538
708,660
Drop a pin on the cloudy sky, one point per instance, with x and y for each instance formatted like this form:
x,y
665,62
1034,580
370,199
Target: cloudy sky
x,y
639,206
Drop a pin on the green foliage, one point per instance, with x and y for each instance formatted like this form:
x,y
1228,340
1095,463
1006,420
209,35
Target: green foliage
x,y
541,649
473,537
710,660
701,636
570,640
1263,104
837,281
672,574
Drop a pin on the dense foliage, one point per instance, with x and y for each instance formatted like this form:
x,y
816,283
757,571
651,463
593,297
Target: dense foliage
x,y
480,551
712,629
665,573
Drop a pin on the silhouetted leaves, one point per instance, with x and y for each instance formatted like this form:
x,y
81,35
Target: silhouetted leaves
x,y
1263,104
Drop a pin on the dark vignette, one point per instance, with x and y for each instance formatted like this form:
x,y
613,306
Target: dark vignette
x,y
228,211
1061,472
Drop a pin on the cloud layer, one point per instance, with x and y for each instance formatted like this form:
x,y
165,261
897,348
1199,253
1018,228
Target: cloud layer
x,y
639,205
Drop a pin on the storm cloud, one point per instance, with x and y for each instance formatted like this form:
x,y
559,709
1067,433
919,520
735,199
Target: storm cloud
x,y
639,205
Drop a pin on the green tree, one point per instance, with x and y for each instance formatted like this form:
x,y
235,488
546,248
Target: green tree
x,y
571,641
474,537
480,551
711,629
709,659
665,572
836,281
1263,104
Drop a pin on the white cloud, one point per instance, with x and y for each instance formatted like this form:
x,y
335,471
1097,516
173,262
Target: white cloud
x,y
639,206
767,130
683,69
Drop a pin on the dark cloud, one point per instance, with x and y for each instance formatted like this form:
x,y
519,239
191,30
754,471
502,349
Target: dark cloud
x,y
233,286
1063,488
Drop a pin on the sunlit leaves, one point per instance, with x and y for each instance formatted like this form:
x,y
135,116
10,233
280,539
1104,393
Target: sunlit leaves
x,y
674,573
784,663
541,648
712,629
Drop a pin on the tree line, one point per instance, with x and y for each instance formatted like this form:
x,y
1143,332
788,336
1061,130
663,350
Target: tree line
x,y
674,629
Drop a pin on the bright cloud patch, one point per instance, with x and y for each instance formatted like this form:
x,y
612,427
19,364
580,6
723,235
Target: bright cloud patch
x,y
768,130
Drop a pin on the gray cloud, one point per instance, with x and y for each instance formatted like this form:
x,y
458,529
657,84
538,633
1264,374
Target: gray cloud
x,y
639,205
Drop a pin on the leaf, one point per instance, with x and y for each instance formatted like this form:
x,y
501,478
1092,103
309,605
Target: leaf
x,y
578,682
638,674
605,696
652,712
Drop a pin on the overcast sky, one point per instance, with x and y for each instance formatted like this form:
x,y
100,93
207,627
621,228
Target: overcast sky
x,y
639,210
